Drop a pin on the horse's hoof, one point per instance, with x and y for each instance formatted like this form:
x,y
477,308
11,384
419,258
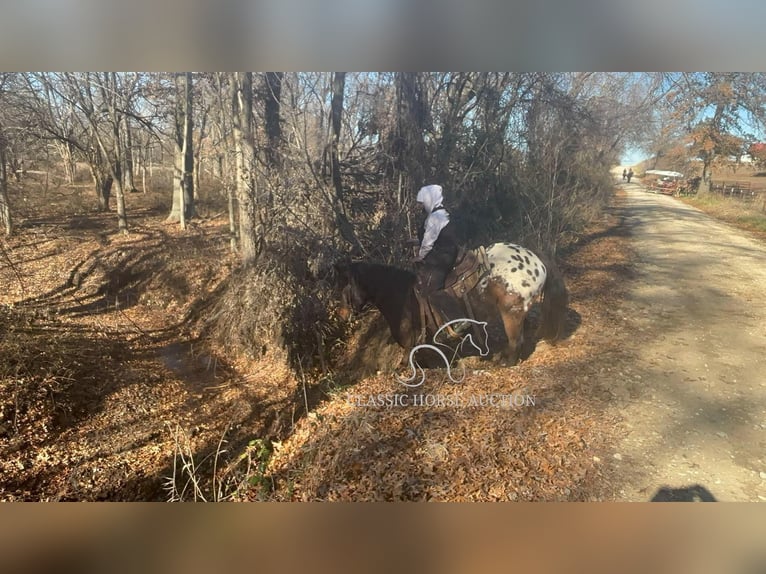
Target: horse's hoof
x,y
510,361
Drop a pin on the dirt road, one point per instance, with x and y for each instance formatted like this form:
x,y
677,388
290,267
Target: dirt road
x,y
694,397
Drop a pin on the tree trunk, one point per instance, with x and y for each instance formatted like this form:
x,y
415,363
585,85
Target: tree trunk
x,y
273,95
146,166
17,166
226,112
115,165
183,173
5,208
345,227
65,150
218,166
224,147
250,243
178,164
108,142
232,217
119,195
338,86
458,91
102,182
127,162
707,174
188,148
197,152
104,191
143,177
411,120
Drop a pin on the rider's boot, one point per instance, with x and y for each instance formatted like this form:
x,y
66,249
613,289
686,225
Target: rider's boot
x,y
450,309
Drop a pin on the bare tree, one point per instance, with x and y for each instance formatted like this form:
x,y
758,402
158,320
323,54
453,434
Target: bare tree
x,y
128,90
99,96
272,95
183,181
224,147
344,225
250,241
85,112
412,121
5,209
128,163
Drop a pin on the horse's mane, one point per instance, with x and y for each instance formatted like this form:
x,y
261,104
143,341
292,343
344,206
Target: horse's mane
x,y
377,274
390,289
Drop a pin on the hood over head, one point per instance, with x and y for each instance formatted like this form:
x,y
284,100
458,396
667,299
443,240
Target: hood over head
x,y
430,196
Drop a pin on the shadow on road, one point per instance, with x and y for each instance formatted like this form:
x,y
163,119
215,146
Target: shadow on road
x,y
695,493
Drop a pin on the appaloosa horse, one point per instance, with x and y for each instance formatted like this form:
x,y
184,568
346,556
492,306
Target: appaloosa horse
x,y
516,278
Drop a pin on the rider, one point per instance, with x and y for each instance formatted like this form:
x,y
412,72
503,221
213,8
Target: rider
x,y
438,241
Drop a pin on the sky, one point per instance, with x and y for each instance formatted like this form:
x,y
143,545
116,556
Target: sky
x,y
633,157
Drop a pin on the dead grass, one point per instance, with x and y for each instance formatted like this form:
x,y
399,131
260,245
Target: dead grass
x,y
747,216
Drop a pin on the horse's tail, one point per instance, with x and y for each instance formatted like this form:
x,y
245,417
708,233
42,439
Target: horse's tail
x,y
554,307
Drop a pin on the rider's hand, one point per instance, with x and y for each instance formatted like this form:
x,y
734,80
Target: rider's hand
x,y
417,259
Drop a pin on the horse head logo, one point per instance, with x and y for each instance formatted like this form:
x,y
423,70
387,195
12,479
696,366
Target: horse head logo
x,y
437,348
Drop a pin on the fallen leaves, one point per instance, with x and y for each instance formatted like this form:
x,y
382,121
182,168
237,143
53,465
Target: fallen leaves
x,y
105,389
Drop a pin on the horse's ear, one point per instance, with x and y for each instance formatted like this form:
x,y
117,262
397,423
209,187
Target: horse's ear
x,y
342,269
342,264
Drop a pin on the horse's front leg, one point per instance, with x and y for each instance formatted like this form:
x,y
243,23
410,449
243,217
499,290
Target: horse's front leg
x,y
513,322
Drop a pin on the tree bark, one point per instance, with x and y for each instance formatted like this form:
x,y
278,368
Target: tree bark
x,y
409,147
338,87
197,152
119,195
273,96
225,143
5,208
345,227
115,165
242,116
102,182
66,151
127,163
183,173
146,166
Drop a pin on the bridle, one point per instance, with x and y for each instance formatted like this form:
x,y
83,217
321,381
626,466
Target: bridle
x,y
349,298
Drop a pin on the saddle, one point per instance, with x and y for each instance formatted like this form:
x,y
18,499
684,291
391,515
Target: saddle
x,y
470,268
444,305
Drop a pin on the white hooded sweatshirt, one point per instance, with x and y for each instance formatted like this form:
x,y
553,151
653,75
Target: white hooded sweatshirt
x,y
431,198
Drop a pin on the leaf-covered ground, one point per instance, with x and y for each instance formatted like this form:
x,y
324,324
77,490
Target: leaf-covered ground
x,y
106,393
103,383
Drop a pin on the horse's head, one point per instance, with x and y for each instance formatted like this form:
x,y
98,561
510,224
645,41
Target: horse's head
x,y
387,288
352,298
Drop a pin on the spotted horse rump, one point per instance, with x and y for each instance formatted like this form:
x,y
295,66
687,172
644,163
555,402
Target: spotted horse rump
x,y
517,278
519,271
